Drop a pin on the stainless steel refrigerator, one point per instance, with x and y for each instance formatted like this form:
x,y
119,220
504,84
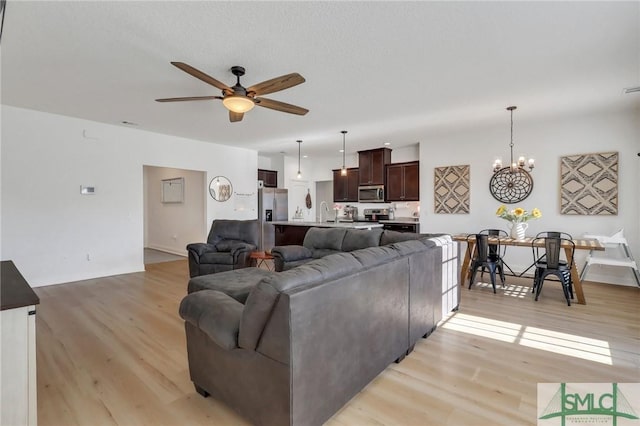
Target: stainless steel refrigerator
x,y
272,206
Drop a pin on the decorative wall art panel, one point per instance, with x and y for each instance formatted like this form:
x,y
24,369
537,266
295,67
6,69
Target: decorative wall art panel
x,y
589,184
451,189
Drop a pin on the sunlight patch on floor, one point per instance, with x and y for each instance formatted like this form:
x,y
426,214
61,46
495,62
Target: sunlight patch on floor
x,y
567,344
512,290
484,327
532,337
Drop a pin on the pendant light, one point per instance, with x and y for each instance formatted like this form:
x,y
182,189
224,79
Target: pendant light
x,y
343,172
520,165
513,183
299,143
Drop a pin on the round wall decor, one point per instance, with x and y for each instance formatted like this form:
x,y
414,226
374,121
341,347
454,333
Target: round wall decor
x,y
511,186
220,188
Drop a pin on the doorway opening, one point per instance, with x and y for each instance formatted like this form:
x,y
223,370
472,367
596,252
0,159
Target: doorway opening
x,y
171,219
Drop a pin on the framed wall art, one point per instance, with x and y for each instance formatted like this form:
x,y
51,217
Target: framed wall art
x,y
451,190
173,190
589,184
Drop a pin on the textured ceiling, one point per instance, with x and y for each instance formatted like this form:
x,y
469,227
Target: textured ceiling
x,y
384,71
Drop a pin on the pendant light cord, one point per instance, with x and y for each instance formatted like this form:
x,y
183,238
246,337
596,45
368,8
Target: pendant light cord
x,y
344,132
299,142
511,144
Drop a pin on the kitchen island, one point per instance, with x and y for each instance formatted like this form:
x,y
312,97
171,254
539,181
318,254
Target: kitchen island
x,y
293,232
408,224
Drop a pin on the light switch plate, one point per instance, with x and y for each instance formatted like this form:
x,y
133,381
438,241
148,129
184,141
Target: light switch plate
x,y
87,190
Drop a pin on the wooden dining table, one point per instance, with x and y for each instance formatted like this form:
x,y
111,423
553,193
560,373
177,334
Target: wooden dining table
x,y
580,244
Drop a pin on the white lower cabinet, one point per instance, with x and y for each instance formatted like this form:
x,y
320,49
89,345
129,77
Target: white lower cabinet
x,y
18,381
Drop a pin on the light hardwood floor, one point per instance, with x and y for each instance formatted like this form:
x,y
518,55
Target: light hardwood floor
x,y
112,351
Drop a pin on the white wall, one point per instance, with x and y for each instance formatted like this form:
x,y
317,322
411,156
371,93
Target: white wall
x,y
171,226
546,141
406,153
48,228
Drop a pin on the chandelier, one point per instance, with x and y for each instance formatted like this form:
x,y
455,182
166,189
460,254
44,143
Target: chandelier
x,y
513,183
497,164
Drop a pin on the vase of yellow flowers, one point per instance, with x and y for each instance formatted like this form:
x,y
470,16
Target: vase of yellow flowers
x,y
517,219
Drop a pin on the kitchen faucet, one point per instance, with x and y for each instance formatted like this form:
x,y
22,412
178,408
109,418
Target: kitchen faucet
x,y
326,206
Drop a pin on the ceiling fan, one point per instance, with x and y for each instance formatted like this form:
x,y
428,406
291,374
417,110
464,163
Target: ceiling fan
x,y
238,99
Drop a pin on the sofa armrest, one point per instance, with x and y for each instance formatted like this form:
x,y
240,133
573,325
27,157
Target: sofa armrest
x,y
216,314
238,248
291,253
201,248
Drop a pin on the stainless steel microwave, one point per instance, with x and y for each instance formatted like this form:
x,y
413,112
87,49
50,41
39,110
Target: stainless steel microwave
x,y
371,194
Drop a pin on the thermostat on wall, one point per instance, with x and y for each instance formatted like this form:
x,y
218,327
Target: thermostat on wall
x,y
87,190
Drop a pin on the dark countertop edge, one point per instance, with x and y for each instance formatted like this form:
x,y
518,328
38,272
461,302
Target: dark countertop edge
x,y
402,222
348,225
15,292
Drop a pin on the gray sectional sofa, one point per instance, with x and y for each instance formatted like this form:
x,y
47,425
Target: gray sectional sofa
x,y
292,347
320,242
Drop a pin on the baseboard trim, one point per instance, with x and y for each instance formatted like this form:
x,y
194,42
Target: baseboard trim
x,y
169,250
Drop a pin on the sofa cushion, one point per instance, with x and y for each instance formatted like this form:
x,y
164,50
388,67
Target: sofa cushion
x,y
390,237
227,245
405,248
236,283
326,268
374,256
319,253
324,238
243,230
356,239
223,258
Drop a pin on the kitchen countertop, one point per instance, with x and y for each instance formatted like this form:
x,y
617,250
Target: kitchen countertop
x,y
348,225
15,291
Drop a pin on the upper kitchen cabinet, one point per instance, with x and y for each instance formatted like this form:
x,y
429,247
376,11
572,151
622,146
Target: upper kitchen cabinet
x,y
268,177
345,188
403,181
371,165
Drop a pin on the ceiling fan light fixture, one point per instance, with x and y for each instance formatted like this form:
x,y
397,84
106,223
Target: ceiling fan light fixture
x,y
238,104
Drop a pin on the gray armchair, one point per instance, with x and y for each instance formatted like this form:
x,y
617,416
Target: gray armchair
x,y
228,246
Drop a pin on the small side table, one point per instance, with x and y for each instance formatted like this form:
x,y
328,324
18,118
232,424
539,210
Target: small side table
x,y
260,258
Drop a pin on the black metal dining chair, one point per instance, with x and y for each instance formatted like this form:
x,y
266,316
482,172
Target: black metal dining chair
x,y
551,264
482,258
552,234
495,251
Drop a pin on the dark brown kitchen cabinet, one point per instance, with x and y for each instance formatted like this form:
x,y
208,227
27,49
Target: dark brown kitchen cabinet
x,y
268,177
371,165
403,181
345,188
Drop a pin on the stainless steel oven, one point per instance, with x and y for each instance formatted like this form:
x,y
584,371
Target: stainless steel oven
x,y
371,194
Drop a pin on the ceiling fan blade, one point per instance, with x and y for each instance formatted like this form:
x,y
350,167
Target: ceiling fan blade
x,y
276,84
190,98
280,106
202,76
235,116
